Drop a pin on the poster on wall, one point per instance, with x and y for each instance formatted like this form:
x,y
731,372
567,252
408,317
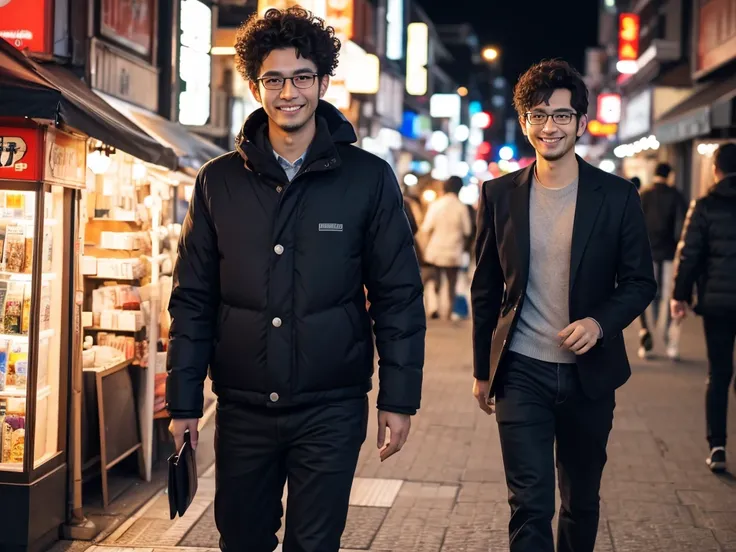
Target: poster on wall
x,y
19,153
129,23
25,24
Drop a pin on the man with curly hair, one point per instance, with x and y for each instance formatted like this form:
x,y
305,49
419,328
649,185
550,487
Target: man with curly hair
x,y
280,239
563,266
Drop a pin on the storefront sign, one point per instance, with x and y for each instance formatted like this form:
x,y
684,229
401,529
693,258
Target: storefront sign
x,y
395,29
628,43
340,17
19,149
389,101
417,57
26,24
716,34
637,116
609,108
599,128
130,23
195,62
126,78
65,159
628,37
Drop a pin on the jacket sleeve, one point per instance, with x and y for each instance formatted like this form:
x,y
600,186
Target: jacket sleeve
x,y
690,256
486,290
636,286
395,293
193,309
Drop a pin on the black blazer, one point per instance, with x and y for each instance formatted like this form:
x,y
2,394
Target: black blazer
x,y
611,272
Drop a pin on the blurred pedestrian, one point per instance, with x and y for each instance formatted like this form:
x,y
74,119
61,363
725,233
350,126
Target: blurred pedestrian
x,y
563,266
664,211
280,239
636,181
706,258
447,227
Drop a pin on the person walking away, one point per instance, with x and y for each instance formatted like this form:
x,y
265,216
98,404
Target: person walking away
x,y
664,211
706,258
447,227
279,240
563,266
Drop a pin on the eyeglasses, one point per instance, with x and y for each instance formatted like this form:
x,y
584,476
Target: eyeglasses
x,y
540,117
300,81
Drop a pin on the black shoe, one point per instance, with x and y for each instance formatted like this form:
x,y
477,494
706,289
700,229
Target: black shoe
x,y
645,340
717,460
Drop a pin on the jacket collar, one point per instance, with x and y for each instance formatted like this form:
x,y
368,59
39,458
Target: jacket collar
x,y
332,129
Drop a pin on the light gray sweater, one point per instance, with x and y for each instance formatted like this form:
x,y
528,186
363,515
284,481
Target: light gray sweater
x,y
546,309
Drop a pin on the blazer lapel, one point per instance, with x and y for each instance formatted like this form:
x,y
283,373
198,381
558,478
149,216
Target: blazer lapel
x,y
519,212
589,201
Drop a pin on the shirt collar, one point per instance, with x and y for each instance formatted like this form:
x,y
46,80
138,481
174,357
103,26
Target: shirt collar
x,y
286,164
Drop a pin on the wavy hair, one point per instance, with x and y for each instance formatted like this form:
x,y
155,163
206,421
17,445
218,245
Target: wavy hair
x,y
293,27
541,80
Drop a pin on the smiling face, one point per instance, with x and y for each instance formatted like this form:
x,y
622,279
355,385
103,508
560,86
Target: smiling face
x,y
292,105
553,127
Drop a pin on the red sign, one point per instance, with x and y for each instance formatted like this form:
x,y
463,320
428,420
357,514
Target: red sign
x,y
609,108
628,37
65,158
26,24
19,148
129,23
716,34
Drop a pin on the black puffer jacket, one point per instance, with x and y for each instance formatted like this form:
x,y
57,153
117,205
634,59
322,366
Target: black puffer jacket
x,y
706,254
664,210
268,286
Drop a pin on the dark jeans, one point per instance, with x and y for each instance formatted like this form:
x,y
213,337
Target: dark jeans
x,y
540,405
720,335
258,449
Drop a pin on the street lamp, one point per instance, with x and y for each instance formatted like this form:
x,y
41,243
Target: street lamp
x,y
489,53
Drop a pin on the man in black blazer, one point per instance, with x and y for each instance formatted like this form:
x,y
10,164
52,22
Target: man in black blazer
x,y
563,266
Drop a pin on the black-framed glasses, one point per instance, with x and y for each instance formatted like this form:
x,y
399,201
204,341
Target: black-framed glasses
x,y
540,117
302,81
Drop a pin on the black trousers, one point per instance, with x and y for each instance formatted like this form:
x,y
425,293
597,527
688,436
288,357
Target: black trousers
x,y
315,449
720,335
540,405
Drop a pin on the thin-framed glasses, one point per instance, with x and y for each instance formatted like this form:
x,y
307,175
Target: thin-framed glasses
x,y
540,117
300,81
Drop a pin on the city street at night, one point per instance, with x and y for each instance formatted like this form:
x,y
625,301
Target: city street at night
x,y
445,490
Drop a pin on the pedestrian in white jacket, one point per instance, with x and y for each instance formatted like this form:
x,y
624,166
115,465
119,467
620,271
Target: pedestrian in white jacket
x,y
446,227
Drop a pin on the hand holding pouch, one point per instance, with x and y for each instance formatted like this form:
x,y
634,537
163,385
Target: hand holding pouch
x,y
182,479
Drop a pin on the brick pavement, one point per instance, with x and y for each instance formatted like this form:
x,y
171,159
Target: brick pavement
x,y
657,493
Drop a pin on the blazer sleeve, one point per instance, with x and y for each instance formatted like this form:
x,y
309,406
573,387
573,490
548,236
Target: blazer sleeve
x,y
395,293
193,309
691,251
486,290
634,273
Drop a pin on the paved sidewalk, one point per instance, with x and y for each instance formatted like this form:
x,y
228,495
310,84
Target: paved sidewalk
x,y
445,491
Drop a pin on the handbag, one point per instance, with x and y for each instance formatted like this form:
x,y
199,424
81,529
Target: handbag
x,y
182,478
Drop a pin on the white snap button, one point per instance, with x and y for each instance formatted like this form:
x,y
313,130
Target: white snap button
x,y
276,322
278,249
274,397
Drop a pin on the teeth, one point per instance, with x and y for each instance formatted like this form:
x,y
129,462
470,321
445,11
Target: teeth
x,y
289,108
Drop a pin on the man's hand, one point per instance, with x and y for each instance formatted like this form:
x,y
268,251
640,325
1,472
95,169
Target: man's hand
x,y
398,426
580,336
678,309
179,427
481,390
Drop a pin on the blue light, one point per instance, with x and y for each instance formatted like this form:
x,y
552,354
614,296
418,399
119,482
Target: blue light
x,y
474,108
506,153
409,125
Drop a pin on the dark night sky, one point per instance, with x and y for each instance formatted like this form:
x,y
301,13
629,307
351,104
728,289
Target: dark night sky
x,y
526,31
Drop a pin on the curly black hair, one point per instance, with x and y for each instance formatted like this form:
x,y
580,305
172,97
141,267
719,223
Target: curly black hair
x,y
542,79
293,27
